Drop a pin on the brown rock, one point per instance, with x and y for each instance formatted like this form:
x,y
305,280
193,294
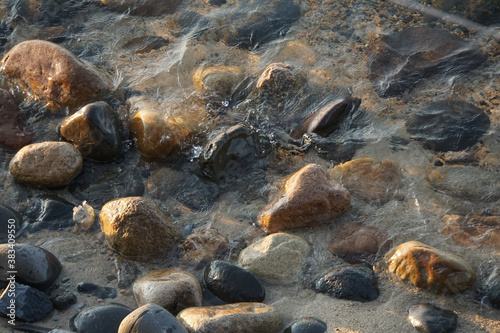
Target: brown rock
x,y
135,226
474,230
46,164
308,198
204,244
12,132
429,268
239,317
368,179
171,289
143,7
55,73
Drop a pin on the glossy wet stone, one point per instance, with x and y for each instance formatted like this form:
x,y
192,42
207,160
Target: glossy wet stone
x,y
13,133
429,268
94,130
307,325
308,198
99,319
403,58
53,214
448,125
95,290
171,289
473,230
489,290
240,317
150,318
10,220
204,244
429,318
30,304
135,226
279,257
355,283
233,284
35,266
62,299
48,164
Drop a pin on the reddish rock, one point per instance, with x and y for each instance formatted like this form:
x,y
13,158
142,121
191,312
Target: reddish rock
x,y
474,230
12,132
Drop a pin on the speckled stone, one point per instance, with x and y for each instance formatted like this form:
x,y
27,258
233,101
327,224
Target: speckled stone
x,y
150,318
429,318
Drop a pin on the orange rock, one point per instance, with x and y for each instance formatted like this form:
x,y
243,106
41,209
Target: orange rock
x,y
473,231
308,198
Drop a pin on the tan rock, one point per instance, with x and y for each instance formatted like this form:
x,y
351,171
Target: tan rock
x,y
54,73
368,179
48,164
473,230
135,226
171,289
222,80
143,7
308,198
238,318
204,244
429,268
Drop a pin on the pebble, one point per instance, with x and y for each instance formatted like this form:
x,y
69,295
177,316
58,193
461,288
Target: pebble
x,y
55,73
49,164
142,8
84,216
204,244
429,268
355,283
430,52
473,230
308,198
62,299
97,291
448,125
8,215
145,44
278,257
150,318
489,290
239,317
429,318
13,133
94,130
35,266
232,284
306,325
54,213
29,304
222,81
99,319
135,226
171,289
370,180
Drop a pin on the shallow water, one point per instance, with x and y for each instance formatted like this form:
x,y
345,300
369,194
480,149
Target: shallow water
x,y
329,45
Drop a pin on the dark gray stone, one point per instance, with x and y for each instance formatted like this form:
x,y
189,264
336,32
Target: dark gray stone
x,y
307,325
151,318
62,299
10,223
428,318
95,290
30,304
489,292
99,319
51,213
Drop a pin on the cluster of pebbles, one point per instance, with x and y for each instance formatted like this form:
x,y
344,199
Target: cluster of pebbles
x,y
165,175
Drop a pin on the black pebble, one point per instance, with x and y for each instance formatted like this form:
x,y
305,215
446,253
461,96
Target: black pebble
x,y
428,318
30,304
54,214
307,325
62,299
98,291
99,319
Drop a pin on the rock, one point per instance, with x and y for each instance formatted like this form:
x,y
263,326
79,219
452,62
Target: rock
x,y
13,133
355,283
360,244
403,58
11,223
62,299
429,268
369,180
54,214
94,130
204,244
429,318
448,125
127,272
171,289
231,152
219,80
150,318
279,257
46,13
99,319
135,226
307,325
143,7
35,266
328,117
240,317
466,182
23,302
335,149
53,72
97,291
473,230
308,198
486,12
48,164
232,284
489,290
84,216
145,44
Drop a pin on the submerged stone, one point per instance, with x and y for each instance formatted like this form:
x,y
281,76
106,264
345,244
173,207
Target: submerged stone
x,y
145,44
220,80
204,244
150,318
486,12
429,318
97,291
13,133
143,7
489,290
30,304
448,125
473,230
99,319
307,325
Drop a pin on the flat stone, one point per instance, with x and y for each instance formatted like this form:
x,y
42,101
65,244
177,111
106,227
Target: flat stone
x,y
99,319
11,222
150,318
48,164
55,73
29,304
240,317
473,230
279,257
135,226
144,7
403,58
94,130
13,133
429,318
308,198
171,289
307,325
429,268
204,244
448,125
369,180
97,291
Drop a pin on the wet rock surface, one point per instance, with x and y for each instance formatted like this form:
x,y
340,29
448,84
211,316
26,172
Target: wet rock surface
x,y
95,290
99,319
205,244
144,7
489,290
10,219
29,304
50,213
13,133
150,318
483,11
473,230
307,325
429,318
